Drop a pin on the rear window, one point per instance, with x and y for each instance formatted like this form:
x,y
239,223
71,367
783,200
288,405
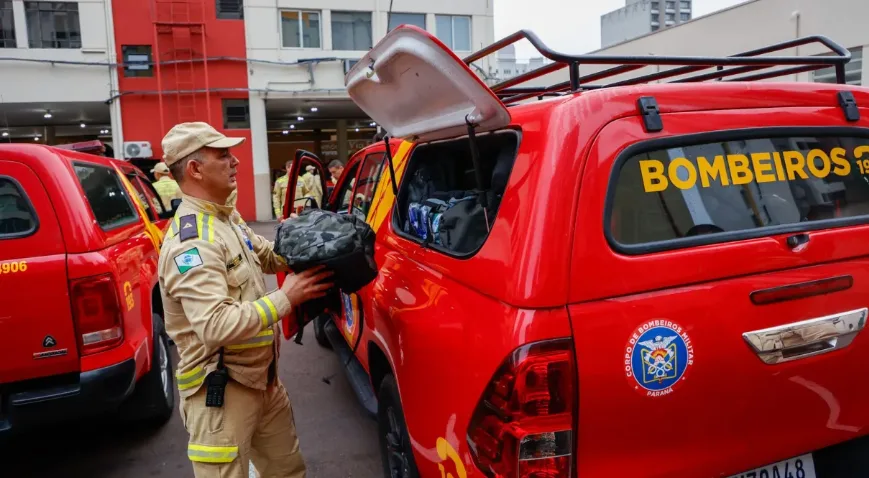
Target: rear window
x,y
107,198
17,218
737,188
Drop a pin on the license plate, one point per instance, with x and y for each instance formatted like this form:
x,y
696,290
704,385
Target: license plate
x,y
797,467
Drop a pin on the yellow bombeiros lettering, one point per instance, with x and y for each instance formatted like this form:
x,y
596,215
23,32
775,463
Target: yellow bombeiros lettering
x,y
760,167
677,181
653,175
815,157
712,171
13,267
740,169
843,167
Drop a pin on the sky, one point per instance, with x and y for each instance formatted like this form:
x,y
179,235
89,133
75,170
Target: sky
x,y
571,26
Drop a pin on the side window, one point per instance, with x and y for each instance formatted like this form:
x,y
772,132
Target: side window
x,y
17,217
345,193
150,199
366,183
106,196
737,185
439,201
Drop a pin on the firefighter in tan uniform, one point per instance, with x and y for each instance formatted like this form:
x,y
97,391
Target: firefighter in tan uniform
x,y
223,320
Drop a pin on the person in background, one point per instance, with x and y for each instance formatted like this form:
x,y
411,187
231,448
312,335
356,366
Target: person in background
x,y
311,186
279,193
166,187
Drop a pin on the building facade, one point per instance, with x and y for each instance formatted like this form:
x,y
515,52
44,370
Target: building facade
x,y
769,21
639,17
509,66
271,71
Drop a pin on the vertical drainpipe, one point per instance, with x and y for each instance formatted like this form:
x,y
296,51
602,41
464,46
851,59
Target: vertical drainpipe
x,y
795,15
115,105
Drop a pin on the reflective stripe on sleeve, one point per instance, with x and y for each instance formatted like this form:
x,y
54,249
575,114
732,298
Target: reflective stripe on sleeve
x,y
262,339
190,379
267,311
212,454
173,226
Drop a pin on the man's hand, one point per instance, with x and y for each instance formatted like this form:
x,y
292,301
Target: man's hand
x,y
292,215
306,285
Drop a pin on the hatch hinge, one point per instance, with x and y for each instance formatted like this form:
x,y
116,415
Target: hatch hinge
x,y
849,105
651,114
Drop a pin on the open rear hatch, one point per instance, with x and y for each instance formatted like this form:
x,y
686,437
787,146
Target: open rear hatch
x,y
416,88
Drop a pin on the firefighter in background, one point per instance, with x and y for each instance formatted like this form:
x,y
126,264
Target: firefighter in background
x,y
279,193
311,186
222,318
166,187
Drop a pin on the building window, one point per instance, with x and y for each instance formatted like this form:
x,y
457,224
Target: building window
x,y
655,27
137,60
230,9
685,16
671,17
53,24
671,5
454,31
351,31
853,70
655,17
398,19
236,114
7,25
686,5
655,5
300,29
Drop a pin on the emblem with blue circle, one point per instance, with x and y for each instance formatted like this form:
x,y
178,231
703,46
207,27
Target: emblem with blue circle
x,y
657,357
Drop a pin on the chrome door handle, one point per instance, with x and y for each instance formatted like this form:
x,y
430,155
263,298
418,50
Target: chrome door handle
x,y
807,338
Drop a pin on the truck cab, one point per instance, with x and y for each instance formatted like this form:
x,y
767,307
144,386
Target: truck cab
x,y
656,275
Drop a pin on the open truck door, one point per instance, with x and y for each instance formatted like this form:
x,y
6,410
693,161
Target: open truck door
x,y
314,190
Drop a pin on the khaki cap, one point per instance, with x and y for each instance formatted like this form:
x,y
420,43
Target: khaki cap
x,y
186,138
160,168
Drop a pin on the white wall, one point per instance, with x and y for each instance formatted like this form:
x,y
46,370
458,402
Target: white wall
x,y
326,79
263,30
23,82
627,22
751,25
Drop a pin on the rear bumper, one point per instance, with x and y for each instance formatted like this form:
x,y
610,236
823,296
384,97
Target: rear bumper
x,y
96,392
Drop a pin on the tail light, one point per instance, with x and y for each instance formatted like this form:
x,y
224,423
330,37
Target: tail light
x,y
524,423
96,313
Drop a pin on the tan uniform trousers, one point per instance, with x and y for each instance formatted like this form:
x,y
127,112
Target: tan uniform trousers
x,y
253,425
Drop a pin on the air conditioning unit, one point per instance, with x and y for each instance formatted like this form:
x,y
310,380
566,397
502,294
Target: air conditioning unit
x,y
137,149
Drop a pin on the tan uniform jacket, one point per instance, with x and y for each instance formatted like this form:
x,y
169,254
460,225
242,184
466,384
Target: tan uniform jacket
x,y
214,296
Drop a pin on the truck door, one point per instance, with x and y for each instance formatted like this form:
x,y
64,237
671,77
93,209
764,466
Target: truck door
x,y
37,336
719,308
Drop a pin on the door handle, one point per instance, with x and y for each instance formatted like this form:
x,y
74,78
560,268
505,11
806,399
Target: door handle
x,y
808,338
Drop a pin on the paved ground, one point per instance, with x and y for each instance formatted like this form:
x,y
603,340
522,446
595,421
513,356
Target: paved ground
x,y
337,438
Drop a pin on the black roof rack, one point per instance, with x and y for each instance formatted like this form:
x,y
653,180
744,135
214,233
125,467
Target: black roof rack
x,y
740,64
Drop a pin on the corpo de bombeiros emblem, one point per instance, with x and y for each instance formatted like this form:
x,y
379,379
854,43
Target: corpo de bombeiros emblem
x,y
657,357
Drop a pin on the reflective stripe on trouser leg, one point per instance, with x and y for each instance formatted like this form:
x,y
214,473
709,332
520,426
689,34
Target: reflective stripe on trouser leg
x,y
275,442
219,444
212,454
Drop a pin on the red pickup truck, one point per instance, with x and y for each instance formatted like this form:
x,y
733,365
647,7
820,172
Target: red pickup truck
x,y
652,274
80,322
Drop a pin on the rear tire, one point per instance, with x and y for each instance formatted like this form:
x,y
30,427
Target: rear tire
x,y
396,451
154,397
320,331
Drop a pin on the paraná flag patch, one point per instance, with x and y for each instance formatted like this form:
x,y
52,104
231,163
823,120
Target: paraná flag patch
x,y
188,260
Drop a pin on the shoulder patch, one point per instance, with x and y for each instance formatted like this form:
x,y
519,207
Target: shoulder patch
x,y
188,260
187,227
